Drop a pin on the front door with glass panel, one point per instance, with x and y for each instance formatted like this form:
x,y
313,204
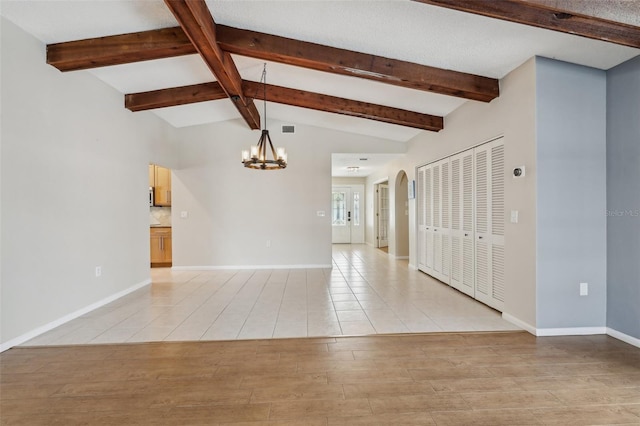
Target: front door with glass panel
x,y
347,225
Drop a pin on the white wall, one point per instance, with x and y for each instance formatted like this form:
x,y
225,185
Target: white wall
x,y
511,115
74,189
233,211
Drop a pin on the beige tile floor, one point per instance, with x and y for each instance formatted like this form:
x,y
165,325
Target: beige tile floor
x,y
366,292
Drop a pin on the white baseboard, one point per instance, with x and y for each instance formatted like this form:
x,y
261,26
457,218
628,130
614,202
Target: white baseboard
x,y
414,267
520,323
53,324
401,257
570,331
243,267
624,337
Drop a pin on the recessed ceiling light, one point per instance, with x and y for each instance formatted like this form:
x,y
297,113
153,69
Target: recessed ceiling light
x,y
353,169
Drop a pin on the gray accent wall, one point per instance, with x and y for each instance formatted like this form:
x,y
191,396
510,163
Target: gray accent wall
x,y
571,195
623,198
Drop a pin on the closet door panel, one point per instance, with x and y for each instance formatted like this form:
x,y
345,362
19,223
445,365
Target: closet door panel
x,y
482,224
429,223
467,222
437,219
461,222
489,211
497,224
456,222
445,221
422,237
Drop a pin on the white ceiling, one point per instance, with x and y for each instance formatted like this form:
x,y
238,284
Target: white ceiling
x,y
398,29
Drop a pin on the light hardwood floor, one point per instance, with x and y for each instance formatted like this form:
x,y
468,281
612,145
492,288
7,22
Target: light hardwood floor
x,y
500,378
366,292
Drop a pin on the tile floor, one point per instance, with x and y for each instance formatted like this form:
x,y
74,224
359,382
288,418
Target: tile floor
x,y
366,292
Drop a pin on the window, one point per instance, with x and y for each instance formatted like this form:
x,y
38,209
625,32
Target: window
x,y
356,209
338,209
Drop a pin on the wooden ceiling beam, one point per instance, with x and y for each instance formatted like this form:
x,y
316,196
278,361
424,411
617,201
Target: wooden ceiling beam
x,y
195,19
153,99
541,16
213,91
320,102
362,65
158,44
119,49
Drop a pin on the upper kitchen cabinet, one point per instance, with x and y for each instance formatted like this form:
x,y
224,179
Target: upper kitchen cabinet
x,y
160,180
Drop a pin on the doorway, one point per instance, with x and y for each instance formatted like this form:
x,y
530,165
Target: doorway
x,y
347,221
402,215
160,233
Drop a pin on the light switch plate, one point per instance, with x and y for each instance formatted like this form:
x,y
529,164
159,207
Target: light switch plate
x,y
514,216
584,289
320,213
184,215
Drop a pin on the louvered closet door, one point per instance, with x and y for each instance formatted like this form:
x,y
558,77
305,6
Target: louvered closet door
x,y
497,224
445,218
428,197
441,216
461,235
422,237
437,221
468,231
489,196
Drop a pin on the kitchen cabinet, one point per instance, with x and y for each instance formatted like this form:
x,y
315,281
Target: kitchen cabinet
x,y
160,245
160,180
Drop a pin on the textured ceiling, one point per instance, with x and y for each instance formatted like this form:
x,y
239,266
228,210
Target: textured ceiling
x,y
397,29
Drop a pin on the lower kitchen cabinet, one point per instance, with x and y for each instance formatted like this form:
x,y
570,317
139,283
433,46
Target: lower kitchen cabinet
x,y
160,244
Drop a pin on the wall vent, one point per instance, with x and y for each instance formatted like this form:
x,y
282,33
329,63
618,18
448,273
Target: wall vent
x,y
288,129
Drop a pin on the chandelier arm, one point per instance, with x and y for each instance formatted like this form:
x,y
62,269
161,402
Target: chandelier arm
x,y
263,147
273,151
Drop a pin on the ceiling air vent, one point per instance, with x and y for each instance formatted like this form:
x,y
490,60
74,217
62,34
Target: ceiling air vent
x,y
288,129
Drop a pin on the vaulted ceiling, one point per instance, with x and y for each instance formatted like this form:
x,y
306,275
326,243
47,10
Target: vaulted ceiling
x,y
383,68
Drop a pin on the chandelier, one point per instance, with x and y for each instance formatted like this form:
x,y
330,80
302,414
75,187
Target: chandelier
x,y
257,158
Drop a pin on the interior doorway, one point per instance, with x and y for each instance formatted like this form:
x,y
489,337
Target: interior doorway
x,y
402,215
347,214
160,232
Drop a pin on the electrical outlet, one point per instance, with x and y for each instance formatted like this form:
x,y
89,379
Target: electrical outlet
x,y
98,271
268,243
584,289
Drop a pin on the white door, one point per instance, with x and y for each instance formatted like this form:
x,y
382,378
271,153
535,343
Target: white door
x,y
489,237
422,219
346,214
383,215
428,219
340,222
462,270
441,220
